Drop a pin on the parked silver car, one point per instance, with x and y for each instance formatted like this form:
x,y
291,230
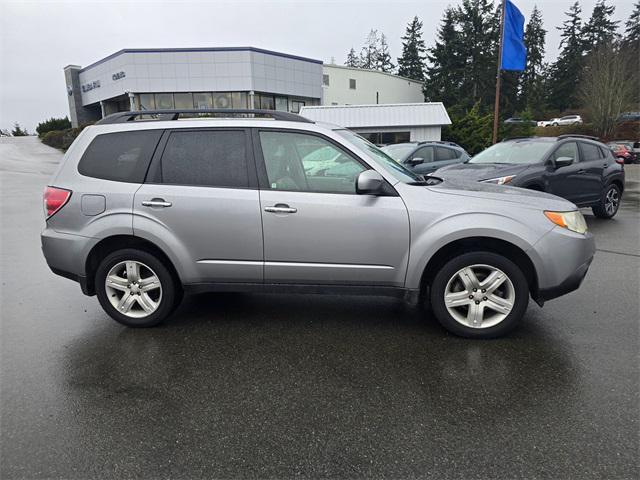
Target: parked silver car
x,y
142,210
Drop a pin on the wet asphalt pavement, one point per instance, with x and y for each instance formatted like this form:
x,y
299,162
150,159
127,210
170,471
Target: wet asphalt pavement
x,y
245,385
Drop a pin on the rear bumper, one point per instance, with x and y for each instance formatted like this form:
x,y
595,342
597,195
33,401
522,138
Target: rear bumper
x,y
66,255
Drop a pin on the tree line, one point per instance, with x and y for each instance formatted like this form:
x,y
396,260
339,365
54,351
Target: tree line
x,y
596,71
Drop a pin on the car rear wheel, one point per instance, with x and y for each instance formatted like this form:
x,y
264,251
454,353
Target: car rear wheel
x,y
609,203
479,295
135,288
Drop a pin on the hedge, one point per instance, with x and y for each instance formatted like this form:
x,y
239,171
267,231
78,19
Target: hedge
x,y
61,139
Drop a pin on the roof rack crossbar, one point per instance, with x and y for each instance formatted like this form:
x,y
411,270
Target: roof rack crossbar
x,y
123,117
576,135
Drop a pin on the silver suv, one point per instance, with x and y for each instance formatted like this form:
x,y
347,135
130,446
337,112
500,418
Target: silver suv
x,y
148,205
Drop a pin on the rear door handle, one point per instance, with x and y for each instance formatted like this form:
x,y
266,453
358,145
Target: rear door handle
x,y
156,202
582,171
280,208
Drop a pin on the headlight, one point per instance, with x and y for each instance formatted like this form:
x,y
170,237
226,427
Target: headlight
x,y
573,221
500,180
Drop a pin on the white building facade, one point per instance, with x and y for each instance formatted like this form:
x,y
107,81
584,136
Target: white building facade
x,y
385,124
357,86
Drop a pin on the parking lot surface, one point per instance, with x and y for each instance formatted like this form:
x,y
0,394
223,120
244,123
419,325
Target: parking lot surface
x,y
240,385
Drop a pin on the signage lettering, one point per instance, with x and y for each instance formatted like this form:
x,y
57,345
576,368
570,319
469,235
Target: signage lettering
x,y
87,87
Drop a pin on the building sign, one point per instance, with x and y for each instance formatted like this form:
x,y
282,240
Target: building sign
x,y
87,87
118,76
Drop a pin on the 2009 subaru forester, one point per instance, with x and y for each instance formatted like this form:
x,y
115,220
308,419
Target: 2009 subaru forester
x,y
147,205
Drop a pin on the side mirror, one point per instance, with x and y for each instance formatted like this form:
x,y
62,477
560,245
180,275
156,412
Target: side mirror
x,y
563,161
369,182
416,161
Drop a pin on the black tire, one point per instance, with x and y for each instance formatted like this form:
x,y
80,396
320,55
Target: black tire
x,y
601,210
171,293
555,124
513,272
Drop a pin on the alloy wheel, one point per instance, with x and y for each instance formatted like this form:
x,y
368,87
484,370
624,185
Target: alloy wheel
x,y
133,289
611,201
479,296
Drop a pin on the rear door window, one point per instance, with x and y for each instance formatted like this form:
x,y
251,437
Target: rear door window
x,y
120,156
443,153
206,158
590,152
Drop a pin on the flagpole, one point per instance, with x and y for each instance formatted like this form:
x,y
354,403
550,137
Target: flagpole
x,y
496,108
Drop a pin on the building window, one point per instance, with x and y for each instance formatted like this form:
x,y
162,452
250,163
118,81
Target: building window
x,y
352,83
164,101
282,104
202,101
325,80
183,101
239,100
222,100
296,105
146,101
387,138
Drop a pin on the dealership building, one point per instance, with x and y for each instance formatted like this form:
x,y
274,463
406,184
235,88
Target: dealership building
x,y
234,77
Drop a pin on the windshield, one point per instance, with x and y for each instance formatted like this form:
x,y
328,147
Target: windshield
x,y
516,153
398,152
384,160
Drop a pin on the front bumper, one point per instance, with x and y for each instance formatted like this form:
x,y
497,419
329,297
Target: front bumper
x,y
563,259
572,283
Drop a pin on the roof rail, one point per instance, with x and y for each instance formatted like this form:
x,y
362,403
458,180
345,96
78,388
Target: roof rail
x,y
157,115
506,139
441,142
570,135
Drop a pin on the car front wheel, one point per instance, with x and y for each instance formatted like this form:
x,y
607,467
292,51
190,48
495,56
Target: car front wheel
x,y
135,288
479,295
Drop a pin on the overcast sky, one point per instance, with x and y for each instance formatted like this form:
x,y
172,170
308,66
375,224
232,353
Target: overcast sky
x,y
38,38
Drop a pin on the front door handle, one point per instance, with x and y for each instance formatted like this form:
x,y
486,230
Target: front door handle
x,y
582,171
156,202
280,208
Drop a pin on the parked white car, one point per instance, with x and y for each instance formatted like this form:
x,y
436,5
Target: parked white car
x,y
547,123
566,120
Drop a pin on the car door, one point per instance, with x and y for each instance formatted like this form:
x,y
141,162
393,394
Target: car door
x,y
317,229
201,202
569,181
422,160
594,164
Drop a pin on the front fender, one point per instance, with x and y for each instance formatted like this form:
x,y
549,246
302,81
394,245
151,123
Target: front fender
x,y
427,241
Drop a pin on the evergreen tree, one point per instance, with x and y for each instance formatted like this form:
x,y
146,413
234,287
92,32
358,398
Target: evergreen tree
x,y
565,72
479,28
383,60
352,59
19,131
411,62
532,94
632,28
600,29
445,65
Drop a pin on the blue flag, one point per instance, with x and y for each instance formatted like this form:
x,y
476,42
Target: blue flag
x,y
514,52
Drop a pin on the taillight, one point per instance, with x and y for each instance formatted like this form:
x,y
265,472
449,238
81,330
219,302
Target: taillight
x,y
55,199
620,160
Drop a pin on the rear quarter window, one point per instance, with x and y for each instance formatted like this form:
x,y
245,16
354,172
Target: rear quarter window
x,y
120,156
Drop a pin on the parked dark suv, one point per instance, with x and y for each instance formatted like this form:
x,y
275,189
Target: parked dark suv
x,y
578,168
426,157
